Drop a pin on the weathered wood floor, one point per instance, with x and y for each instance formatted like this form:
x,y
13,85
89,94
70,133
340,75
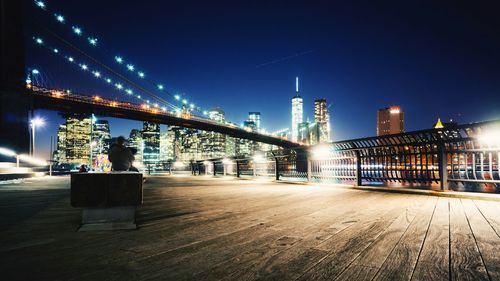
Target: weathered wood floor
x,y
226,229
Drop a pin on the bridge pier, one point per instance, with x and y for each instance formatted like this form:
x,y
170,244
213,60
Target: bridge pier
x,y
14,101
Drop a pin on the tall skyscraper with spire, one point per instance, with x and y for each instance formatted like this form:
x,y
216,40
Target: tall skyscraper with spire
x,y
297,111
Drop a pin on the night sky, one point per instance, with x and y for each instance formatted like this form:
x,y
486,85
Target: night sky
x,y
433,58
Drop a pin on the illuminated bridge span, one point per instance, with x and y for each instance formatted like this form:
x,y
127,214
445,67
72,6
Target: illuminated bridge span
x,y
71,102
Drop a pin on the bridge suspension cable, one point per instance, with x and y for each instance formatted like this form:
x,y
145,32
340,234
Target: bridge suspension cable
x,y
130,67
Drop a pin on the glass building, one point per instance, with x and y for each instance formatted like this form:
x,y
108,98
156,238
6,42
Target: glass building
x,y
151,139
322,118
297,112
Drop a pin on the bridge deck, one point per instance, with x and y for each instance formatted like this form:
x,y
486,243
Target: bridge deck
x,y
225,229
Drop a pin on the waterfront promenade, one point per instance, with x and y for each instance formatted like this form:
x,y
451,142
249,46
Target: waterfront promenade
x,y
204,228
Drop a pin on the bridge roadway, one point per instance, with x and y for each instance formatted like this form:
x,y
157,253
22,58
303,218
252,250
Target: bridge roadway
x,y
204,228
76,103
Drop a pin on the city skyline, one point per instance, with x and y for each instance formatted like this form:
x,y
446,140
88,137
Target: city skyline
x,y
351,72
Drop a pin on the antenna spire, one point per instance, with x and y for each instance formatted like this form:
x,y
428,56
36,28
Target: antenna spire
x,y
297,85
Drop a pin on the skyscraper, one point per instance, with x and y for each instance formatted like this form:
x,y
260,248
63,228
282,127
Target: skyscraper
x,y
60,156
151,138
77,138
135,141
213,145
101,137
255,117
390,120
322,118
297,111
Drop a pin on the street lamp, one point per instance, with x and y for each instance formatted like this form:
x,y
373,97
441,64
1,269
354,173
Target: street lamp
x,y
36,122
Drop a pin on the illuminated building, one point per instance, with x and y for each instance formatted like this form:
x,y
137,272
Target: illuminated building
x,y
101,137
255,118
390,120
167,140
213,145
297,111
135,141
76,139
322,118
60,155
151,139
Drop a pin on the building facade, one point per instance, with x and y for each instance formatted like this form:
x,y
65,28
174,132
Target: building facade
x,y
74,138
151,139
101,137
322,119
255,118
297,112
390,120
135,141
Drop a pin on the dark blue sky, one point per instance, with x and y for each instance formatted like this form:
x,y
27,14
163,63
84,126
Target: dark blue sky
x,y
434,58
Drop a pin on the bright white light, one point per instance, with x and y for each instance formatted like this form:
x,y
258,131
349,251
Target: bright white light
x,y
141,74
191,105
130,67
37,122
160,87
490,138
394,111
178,164
258,158
7,152
59,18
97,74
71,59
147,101
77,30
184,101
92,41
129,91
177,97
108,80
226,161
35,71
206,163
119,59
138,96
32,160
155,105
40,4
39,40
321,152
56,51
84,67
164,108
119,86
205,112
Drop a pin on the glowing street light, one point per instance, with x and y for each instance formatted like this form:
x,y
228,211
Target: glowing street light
x,y
77,30
119,59
177,97
36,122
59,18
97,74
160,87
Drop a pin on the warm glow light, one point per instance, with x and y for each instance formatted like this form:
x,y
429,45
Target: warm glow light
x,y
321,152
490,137
178,164
32,160
97,98
57,94
114,103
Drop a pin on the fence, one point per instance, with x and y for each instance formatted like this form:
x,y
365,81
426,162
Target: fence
x,y
459,157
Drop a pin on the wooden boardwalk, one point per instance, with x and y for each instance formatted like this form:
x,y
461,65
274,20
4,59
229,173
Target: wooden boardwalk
x,y
226,229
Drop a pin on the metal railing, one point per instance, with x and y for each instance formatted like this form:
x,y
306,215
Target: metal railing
x,y
460,157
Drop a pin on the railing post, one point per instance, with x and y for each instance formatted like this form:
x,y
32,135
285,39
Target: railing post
x,y
277,168
359,181
215,170
254,168
224,166
237,169
443,166
206,168
309,168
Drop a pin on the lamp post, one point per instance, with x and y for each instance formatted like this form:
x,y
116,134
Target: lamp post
x,y
36,122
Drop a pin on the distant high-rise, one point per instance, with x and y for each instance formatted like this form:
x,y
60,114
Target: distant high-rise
x,y
74,139
135,141
151,138
297,111
322,117
255,117
390,120
101,137
213,145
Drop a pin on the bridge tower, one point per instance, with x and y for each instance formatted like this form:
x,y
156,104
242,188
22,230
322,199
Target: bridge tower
x,y
14,100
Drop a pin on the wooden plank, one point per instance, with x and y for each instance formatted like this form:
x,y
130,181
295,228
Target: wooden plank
x,y
486,239
400,264
465,260
344,247
433,262
490,211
